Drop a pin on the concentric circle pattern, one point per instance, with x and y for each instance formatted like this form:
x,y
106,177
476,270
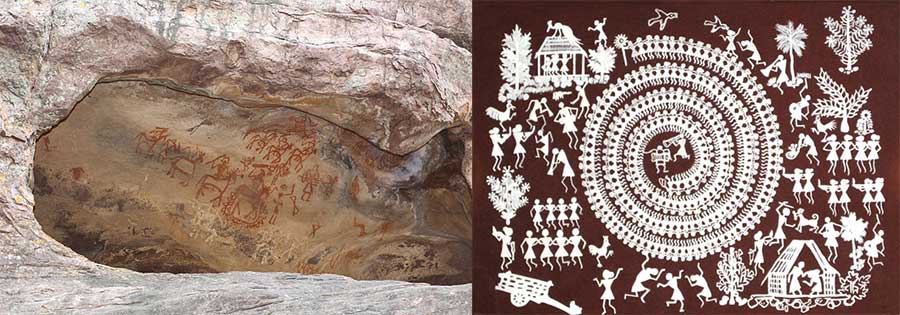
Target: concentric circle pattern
x,y
687,88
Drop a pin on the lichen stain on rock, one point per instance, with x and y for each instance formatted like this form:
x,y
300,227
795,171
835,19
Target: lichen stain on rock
x,y
170,181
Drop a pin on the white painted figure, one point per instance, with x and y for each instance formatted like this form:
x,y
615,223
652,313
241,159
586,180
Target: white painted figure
x,y
606,285
507,246
677,297
527,247
638,289
698,281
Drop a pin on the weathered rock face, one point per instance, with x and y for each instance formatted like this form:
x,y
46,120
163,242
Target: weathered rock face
x,y
386,85
147,178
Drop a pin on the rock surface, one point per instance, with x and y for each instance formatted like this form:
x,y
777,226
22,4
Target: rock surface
x,y
391,73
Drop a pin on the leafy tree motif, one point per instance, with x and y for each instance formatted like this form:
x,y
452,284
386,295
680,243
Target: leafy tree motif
x,y
602,60
854,229
791,40
849,37
515,64
508,193
733,276
839,103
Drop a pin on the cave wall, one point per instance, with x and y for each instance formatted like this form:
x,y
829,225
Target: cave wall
x,y
390,72
148,178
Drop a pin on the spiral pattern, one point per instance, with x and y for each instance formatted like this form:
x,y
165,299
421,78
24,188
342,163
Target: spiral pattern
x,y
707,96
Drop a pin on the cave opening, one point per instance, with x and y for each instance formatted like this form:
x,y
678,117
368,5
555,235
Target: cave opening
x,y
152,179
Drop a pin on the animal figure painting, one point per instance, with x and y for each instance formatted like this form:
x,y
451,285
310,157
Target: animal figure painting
x,y
708,161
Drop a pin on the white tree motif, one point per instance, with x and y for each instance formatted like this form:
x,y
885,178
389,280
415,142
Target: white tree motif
x,y
602,60
791,40
515,64
733,276
849,37
839,103
508,193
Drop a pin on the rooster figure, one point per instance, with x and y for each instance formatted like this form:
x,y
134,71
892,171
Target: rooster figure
x,y
501,116
822,129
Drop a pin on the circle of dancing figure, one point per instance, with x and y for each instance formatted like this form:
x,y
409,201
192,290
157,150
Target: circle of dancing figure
x,y
577,242
529,242
831,146
561,253
576,212
497,139
846,152
536,210
697,280
562,218
861,153
638,289
546,253
606,285
830,232
677,297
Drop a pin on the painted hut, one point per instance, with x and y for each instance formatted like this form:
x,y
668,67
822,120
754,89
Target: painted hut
x,y
777,277
560,55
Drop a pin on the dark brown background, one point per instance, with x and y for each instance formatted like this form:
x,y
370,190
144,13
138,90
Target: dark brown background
x,y
878,70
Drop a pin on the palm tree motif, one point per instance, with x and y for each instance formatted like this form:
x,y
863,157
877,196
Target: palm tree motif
x,y
791,40
854,229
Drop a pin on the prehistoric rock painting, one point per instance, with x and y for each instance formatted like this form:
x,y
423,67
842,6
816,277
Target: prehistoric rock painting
x,y
152,179
252,192
725,170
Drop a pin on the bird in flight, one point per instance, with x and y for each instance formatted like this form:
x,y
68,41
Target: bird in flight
x,y
662,17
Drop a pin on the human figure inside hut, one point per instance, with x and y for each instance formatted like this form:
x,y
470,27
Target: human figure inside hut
x,y
794,275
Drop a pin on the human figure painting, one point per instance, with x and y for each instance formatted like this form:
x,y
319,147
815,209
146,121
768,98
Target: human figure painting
x,y
728,158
